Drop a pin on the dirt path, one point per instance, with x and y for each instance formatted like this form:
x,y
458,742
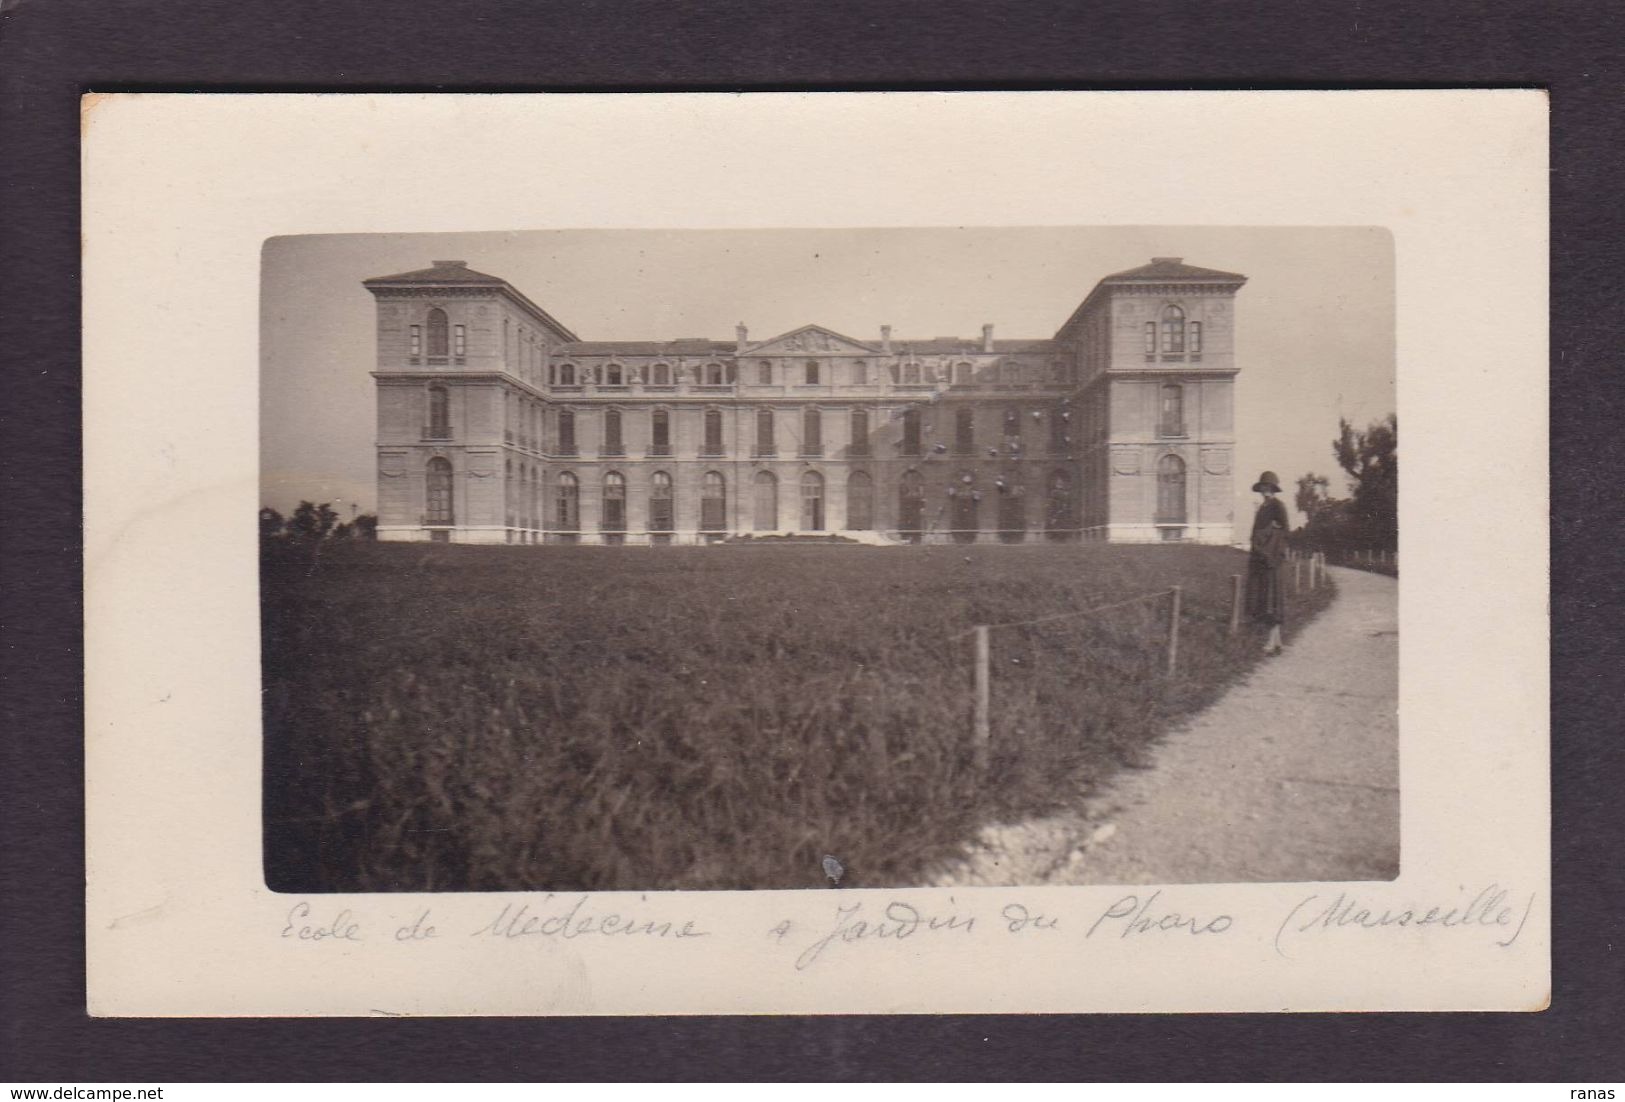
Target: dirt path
x,y
1292,775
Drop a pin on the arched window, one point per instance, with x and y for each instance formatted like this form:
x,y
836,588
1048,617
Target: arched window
x,y
615,375
1173,329
567,432
964,430
661,514
438,493
714,503
911,432
1170,490
1012,513
860,432
860,502
911,506
713,432
1171,421
1059,512
860,373
765,444
765,502
661,375
613,516
567,374
567,503
439,427
812,502
962,373
437,331
660,432
764,373
812,432
613,442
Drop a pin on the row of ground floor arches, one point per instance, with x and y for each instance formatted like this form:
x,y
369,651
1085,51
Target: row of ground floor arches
x,y
535,503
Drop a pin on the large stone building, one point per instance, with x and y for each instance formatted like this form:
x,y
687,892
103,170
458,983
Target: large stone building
x,y
497,424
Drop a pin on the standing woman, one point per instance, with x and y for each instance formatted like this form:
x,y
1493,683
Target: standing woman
x,y
1266,596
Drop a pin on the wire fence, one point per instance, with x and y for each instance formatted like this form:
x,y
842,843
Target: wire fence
x,y
1133,639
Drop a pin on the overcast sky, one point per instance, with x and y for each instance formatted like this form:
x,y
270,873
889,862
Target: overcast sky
x,y
1315,321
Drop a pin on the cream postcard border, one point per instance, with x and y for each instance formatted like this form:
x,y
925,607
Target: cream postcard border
x,y
180,192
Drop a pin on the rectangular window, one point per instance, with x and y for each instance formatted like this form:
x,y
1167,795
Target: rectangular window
x,y
1150,338
764,433
965,431
812,372
860,432
661,433
1194,335
911,432
459,340
567,432
812,434
713,432
764,373
1173,411
612,433
417,340
860,373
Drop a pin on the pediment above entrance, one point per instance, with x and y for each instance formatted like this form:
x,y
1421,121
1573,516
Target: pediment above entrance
x,y
810,340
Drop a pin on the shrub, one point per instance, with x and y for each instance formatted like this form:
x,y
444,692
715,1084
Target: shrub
x,y
471,718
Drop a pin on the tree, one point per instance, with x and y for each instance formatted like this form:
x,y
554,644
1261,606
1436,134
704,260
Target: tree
x,y
1369,519
271,523
1370,459
312,523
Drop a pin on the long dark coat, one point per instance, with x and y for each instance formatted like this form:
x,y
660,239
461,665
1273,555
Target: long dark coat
x,y
1266,593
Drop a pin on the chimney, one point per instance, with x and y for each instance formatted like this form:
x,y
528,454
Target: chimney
x,y
885,339
451,264
741,334
987,338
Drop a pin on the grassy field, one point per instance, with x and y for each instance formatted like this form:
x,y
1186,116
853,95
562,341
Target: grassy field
x,y
470,718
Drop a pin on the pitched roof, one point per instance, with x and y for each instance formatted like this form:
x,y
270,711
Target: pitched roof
x,y
965,346
936,346
444,271
685,347
1173,269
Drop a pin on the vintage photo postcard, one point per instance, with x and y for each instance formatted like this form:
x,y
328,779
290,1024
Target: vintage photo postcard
x,y
860,562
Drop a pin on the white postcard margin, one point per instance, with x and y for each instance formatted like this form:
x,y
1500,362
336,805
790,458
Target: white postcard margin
x,y
181,191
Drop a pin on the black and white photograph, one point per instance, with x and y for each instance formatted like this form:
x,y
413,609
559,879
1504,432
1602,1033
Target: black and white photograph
x,y
794,554
633,560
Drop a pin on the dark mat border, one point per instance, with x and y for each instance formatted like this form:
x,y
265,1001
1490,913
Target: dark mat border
x,y
51,52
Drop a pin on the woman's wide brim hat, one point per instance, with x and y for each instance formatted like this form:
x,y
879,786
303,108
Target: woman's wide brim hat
x,y
1267,481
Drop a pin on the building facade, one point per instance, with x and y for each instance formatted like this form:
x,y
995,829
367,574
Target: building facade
x,y
497,424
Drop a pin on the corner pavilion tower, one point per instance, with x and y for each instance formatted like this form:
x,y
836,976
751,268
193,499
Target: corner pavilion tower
x,y
497,424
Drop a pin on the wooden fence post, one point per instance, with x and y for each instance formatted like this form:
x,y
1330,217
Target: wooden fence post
x,y
1173,633
1235,603
984,661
